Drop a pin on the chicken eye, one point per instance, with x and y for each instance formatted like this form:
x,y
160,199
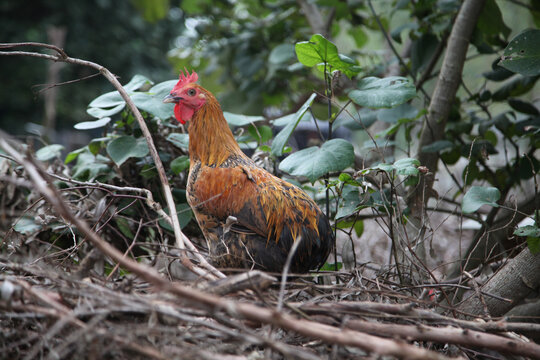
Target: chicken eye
x,y
191,92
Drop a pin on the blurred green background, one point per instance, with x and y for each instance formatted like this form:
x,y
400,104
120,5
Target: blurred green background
x,y
243,49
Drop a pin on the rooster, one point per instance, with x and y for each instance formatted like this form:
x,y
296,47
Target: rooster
x,y
249,217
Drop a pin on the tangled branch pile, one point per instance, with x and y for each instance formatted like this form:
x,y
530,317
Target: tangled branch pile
x,y
69,301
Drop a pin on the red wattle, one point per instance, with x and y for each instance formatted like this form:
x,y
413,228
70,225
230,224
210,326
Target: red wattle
x,y
183,113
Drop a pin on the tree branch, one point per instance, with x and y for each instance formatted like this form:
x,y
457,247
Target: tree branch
x,y
448,335
517,279
181,240
326,333
445,92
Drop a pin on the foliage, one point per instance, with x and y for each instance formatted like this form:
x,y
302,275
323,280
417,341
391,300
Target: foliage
x,y
522,55
363,107
106,32
478,196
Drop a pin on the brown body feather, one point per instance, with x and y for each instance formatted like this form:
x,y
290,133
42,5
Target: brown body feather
x,y
249,217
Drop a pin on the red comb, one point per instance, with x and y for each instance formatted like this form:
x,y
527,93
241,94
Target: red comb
x,y
187,78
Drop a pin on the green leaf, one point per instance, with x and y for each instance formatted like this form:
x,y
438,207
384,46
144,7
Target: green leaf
x,y
283,136
522,55
422,50
88,166
359,36
532,232
491,22
137,82
95,145
497,73
152,102
314,162
26,226
514,87
407,167
107,100
523,107
533,243
378,93
358,120
155,104
73,155
103,113
179,140
241,120
331,266
124,147
438,146
318,50
265,148
180,164
403,111
349,202
281,54
262,133
86,125
152,11
478,196
184,214
528,230
49,152
123,225
384,167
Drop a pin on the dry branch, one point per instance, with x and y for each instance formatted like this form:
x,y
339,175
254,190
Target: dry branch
x,y
448,335
447,84
515,281
182,241
326,333
411,311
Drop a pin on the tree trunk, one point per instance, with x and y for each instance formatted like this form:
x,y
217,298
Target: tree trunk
x,y
438,112
489,239
448,81
57,37
514,281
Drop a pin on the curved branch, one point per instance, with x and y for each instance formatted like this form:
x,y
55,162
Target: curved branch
x,y
447,85
181,240
448,335
517,279
326,333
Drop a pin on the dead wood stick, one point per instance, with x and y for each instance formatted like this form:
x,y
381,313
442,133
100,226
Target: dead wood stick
x,y
181,239
326,333
65,314
411,311
448,335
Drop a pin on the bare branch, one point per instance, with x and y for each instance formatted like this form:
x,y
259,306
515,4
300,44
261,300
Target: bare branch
x,y
181,240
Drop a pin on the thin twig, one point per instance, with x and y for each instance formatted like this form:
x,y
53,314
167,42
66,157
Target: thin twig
x,y
181,240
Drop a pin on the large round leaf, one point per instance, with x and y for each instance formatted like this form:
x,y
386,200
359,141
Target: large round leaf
x,y
378,93
86,125
281,54
522,55
179,140
101,113
292,121
49,152
241,120
124,147
314,162
478,196
153,104
320,51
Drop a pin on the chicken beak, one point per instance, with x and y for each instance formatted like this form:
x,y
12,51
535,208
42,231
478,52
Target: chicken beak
x,y
171,99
